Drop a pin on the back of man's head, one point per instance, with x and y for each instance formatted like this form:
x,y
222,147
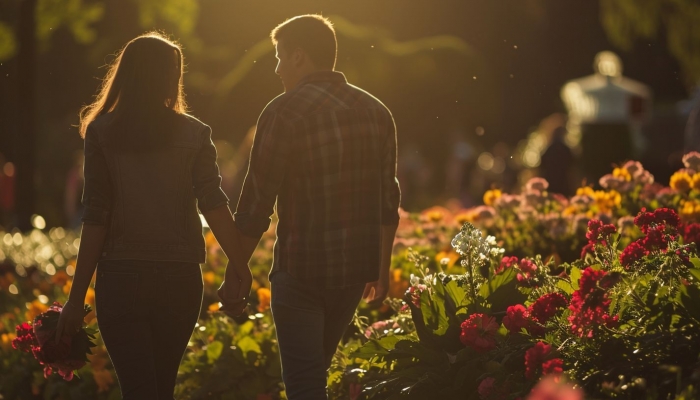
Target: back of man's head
x,y
312,33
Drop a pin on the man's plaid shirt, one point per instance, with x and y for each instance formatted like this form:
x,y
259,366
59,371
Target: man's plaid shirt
x,y
326,153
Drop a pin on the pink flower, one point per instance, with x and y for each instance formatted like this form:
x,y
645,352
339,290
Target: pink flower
x,y
538,184
479,332
506,262
553,389
692,160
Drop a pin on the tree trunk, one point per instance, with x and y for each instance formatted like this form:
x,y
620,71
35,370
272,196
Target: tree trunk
x,y
26,102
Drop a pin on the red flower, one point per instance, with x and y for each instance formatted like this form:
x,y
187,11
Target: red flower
x,y
506,262
644,219
479,332
667,216
691,234
25,338
547,306
589,304
599,233
534,357
587,249
517,317
486,387
553,366
656,238
632,253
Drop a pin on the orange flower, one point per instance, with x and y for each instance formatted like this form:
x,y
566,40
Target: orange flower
x,y
210,240
466,216
35,308
67,286
60,278
90,296
491,196
209,277
435,214
6,340
264,297
450,256
104,379
397,285
213,307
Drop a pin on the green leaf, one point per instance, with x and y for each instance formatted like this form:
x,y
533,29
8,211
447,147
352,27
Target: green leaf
x,y
423,353
565,287
502,291
433,307
214,351
689,297
247,344
574,277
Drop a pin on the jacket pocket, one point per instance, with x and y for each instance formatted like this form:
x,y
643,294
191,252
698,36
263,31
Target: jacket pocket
x,y
184,295
115,294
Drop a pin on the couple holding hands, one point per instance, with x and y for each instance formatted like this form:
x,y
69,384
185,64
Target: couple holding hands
x,y
324,154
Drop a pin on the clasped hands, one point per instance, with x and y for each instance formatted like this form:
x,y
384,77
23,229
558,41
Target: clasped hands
x,y
235,289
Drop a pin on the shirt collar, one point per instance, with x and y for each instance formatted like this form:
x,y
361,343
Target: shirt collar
x,y
323,76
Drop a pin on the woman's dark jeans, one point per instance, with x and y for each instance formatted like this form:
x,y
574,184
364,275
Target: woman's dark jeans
x,y
146,312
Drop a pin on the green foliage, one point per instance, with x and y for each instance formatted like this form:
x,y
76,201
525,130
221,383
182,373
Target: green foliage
x,y
628,21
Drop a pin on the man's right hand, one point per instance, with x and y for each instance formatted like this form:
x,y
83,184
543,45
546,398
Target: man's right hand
x,y
376,292
235,290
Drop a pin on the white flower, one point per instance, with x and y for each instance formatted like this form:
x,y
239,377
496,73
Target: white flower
x,y
414,280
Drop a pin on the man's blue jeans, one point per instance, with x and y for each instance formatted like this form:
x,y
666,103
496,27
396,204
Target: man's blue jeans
x,y
310,323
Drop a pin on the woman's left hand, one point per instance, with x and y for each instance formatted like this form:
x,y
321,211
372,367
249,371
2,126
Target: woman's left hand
x,y
71,320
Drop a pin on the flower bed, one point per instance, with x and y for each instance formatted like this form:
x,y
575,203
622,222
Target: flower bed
x,y
600,290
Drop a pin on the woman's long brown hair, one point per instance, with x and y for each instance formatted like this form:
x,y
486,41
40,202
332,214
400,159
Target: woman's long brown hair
x,y
145,78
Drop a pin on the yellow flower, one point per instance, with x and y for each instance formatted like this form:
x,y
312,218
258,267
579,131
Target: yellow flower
x,y
681,181
209,277
398,285
467,216
263,299
213,307
491,196
585,191
35,308
622,173
690,210
436,214
570,210
606,201
67,286
696,181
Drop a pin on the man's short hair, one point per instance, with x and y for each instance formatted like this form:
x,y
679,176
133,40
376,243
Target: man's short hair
x,y
312,33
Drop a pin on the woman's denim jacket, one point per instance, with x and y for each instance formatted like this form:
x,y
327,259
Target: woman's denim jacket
x,y
148,200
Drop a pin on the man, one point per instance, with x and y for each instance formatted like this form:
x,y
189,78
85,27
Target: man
x,y
325,152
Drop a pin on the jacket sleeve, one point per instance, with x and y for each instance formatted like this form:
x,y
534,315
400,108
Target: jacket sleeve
x,y
206,178
97,189
266,172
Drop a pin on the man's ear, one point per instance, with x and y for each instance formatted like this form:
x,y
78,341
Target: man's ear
x,y
298,56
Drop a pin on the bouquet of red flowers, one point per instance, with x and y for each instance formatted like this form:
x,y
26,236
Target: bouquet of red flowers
x,y
64,357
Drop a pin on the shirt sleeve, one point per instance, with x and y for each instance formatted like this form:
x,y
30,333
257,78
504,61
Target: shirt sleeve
x,y
391,192
206,178
266,173
97,188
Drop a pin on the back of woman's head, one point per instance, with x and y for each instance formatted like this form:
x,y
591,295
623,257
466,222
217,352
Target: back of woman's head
x,y
142,85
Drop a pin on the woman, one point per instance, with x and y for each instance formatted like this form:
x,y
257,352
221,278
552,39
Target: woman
x,y
148,167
